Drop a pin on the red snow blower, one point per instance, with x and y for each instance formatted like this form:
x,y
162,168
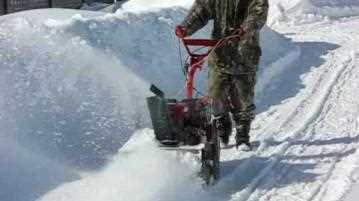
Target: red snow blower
x,y
188,121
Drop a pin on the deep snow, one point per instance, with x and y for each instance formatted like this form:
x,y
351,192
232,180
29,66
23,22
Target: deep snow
x,y
82,79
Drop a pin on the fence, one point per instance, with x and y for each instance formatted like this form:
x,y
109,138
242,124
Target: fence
x,y
10,6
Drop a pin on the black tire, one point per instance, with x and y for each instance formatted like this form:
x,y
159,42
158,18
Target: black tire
x,y
210,170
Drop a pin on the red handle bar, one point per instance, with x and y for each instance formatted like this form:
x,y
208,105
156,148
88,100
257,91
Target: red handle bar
x,y
200,42
187,42
196,60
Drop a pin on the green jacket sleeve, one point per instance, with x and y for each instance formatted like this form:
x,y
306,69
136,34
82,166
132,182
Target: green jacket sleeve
x,y
256,16
198,16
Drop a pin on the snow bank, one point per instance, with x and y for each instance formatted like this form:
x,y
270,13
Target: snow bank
x,y
144,5
63,96
311,10
330,8
299,10
153,56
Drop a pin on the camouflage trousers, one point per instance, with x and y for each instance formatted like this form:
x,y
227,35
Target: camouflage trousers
x,y
232,93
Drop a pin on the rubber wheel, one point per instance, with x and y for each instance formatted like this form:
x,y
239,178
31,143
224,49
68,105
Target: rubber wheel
x,y
210,170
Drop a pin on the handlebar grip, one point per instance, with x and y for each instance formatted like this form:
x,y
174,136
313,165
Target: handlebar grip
x,y
200,42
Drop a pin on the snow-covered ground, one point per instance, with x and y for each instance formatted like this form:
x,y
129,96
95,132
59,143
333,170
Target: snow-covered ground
x,y
72,91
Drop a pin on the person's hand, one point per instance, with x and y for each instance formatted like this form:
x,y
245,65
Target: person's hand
x,y
242,33
180,31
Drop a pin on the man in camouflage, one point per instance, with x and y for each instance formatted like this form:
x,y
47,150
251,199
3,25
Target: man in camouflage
x,y
233,66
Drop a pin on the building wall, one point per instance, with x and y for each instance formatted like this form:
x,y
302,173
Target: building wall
x,y
10,6
102,1
66,3
18,5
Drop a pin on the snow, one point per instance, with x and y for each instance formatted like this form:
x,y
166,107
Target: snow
x,y
130,176
26,175
353,194
304,11
73,118
333,8
63,98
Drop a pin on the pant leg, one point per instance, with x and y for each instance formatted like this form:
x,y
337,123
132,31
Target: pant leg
x,y
219,85
242,97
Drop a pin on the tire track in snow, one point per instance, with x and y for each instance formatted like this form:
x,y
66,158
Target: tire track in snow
x,y
319,190
269,129
290,138
322,189
336,158
309,137
344,72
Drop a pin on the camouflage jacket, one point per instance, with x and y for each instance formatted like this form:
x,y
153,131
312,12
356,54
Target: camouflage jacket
x,y
234,56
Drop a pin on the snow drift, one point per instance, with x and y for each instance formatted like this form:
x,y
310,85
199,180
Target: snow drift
x,y
72,87
331,8
312,10
143,5
65,96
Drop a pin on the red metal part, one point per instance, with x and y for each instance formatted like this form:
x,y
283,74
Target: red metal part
x,y
195,65
200,42
196,60
177,111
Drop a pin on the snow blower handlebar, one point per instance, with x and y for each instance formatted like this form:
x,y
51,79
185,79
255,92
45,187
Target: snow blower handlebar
x,y
196,59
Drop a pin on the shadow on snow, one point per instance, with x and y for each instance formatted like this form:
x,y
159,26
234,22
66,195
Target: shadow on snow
x,y
290,83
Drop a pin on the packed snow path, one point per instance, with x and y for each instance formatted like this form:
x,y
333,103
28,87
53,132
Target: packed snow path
x,y
308,142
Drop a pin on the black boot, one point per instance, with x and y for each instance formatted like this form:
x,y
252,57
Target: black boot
x,y
242,134
224,136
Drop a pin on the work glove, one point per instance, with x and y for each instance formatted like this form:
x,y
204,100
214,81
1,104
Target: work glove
x,y
241,32
180,31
